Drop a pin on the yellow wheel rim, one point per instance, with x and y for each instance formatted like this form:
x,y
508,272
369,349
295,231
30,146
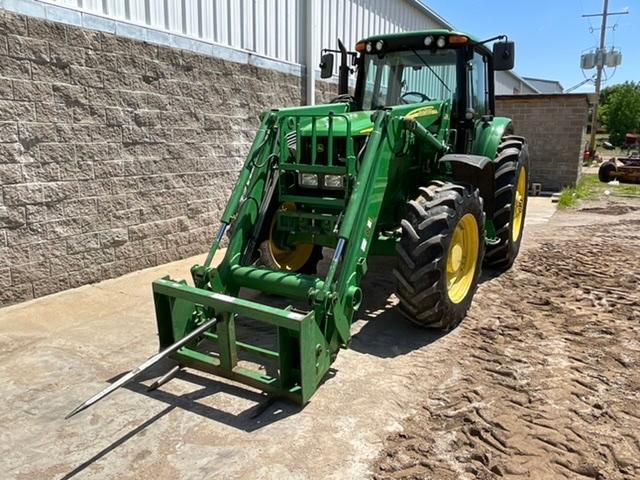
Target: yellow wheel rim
x,y
462,258
518,208
289,259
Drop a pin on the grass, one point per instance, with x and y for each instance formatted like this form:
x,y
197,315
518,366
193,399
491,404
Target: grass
x,y
590,188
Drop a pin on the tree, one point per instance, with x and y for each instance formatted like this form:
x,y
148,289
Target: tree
x,y
621,110
605,96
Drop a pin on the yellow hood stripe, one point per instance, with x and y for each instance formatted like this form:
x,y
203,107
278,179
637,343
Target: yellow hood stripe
x,y
422,112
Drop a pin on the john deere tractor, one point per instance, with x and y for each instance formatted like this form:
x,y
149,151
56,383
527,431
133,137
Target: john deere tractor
x,y
408,161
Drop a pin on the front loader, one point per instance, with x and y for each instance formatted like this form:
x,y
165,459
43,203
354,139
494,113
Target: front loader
x,y
413,163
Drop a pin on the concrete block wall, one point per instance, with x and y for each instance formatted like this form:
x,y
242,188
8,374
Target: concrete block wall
x,y
115,155
554,127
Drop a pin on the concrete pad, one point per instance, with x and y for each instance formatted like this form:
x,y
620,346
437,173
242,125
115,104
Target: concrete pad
x,y
57,351
539,210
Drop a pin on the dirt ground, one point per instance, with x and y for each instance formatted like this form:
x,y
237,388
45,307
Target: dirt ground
x,y
540,381
544,374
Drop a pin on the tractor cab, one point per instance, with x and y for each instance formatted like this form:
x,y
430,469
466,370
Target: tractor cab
x,y
446,70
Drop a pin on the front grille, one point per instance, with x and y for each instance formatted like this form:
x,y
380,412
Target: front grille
x,y
339,150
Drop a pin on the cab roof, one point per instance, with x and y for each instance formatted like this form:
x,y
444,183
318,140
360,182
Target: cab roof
x,y
422,33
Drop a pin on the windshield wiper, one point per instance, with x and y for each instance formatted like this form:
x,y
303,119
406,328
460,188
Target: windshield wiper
x,y
431,69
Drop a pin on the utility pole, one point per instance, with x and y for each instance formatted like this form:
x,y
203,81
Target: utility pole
x,y
600,61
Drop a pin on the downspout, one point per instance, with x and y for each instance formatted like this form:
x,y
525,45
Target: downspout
x,y
310,43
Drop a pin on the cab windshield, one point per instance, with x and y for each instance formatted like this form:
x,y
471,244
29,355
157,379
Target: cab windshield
x,y
409,76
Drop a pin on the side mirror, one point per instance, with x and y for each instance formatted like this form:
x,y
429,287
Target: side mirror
x,y
326,65
504,56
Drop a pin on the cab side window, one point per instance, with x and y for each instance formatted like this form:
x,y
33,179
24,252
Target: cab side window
x,y
478,84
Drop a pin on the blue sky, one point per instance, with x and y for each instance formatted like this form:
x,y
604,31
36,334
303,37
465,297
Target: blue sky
x,y
550,35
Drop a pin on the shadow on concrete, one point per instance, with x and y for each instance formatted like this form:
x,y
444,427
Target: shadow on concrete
x,y
265,410
124,438
387,333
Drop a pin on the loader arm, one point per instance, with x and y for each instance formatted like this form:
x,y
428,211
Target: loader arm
x,y
359,226
307,341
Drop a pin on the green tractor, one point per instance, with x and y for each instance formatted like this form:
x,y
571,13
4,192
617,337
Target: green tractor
x,y
413,163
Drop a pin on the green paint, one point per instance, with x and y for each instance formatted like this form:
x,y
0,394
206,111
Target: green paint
x,y
383,157
422,33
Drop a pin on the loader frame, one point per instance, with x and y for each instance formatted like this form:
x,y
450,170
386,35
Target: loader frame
x,y
307,342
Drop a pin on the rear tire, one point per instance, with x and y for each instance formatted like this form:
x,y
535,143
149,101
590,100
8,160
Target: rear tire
x,y
430,260
512,172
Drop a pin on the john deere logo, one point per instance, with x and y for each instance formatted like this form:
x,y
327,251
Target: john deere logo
x,y
422,112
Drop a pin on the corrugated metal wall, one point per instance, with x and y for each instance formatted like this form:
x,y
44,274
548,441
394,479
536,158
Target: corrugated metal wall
x,y
276,29
272,28
352,20
266,27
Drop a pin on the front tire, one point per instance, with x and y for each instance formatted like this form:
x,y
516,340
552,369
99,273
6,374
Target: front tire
x,y
302,258
511,196
439,255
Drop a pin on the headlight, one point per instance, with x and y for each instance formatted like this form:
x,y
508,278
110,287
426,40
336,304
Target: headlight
x,y
428,41
333,181
441,42
369,47
309,180
379,45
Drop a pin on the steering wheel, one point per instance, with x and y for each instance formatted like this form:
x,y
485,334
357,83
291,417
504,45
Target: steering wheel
x,y
423,97
345,97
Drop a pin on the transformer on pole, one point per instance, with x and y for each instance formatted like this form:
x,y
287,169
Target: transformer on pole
x,y
599,59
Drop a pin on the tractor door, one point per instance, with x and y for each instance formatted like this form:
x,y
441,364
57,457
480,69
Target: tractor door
x,y
478,94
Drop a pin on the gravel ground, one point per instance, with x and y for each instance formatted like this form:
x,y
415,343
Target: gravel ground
x,y
539,381
543,379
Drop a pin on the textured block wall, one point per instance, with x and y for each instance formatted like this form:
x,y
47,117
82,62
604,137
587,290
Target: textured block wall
x,y
115,155
554,126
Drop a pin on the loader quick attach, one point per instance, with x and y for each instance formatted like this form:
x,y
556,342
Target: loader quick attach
x,y
414,164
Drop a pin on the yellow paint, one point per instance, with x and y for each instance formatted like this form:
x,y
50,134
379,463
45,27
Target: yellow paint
x,y
366,131
422,112
518,211
289,260
462,258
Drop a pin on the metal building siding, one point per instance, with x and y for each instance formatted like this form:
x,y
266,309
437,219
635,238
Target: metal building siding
x,y
371,17
353,20
272,28
275,29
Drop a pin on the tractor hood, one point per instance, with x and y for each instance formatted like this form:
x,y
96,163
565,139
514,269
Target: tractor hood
x,y
361,124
